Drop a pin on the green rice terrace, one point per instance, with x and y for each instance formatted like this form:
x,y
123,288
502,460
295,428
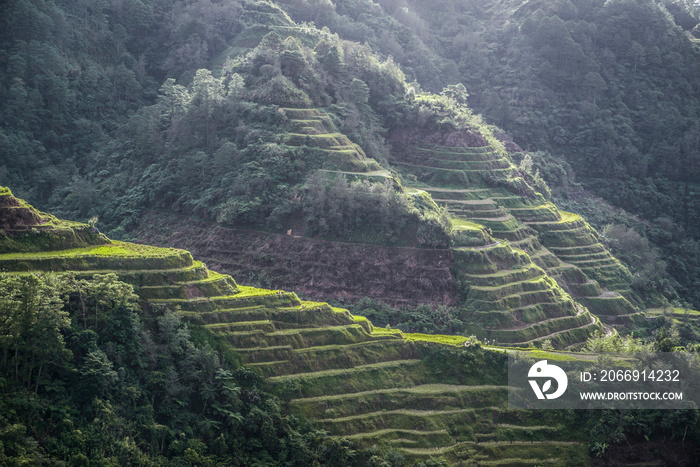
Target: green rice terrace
x,y
315,129
425,396
523,259
518,291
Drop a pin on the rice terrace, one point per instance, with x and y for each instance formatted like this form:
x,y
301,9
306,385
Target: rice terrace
x,y
315,232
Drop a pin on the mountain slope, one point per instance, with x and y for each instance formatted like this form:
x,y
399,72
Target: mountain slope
x,y
421,395
298,134
604,89
353,198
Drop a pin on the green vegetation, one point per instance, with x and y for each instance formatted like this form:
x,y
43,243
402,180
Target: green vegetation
x,y
151,383
366,212
583,70
344,122
84,369
281,134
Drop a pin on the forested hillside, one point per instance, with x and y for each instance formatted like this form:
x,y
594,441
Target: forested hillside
x,y
293,129
519,173
602,94
603,90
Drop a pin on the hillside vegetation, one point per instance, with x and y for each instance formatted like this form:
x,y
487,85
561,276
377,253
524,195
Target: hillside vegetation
x,y
331,148
108,321
298,171
302,132
604,91
149,112
150,343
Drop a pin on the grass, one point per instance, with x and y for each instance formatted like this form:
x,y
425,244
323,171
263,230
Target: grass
x,y
436,339
540,280
463,224
212,276
675,311
386,332
116,248
114,256
506,272
393,434
364,322
383,375
569,217
541,329
147,277
358,369
433,390
247,291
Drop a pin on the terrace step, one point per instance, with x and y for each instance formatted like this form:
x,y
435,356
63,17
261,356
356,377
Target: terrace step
x,y
520,232
506,276
637,318
265,354
215,285
241,326
511,201
473,163
139,278
482,204
393,374
498,292
458,194
317,315
543,213
300,113
542,329
404,438
428,420
246,297
579,250
566,337
544,259
608,304
299,337
427,396
530,244
519,300
528,314
112,256
482,152
585,257
342,356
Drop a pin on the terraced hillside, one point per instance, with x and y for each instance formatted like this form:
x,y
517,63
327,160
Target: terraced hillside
x,y
483,190
315,129
26,229
497,263
425,396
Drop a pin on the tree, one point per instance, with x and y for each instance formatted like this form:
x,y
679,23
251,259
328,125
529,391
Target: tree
x,y
358,91
456,92
32,322
207,95
332,61
525,165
